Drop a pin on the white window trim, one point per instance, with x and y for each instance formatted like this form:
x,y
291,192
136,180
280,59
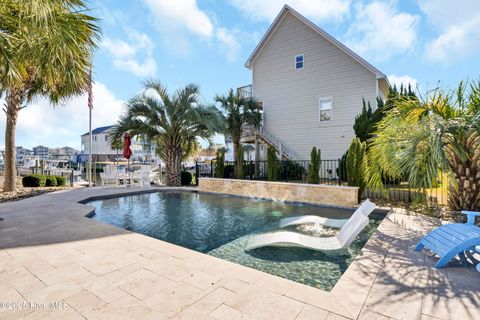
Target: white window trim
x,y
320,110
303,61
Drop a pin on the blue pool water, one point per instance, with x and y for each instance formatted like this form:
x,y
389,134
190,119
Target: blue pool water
x,y
220,226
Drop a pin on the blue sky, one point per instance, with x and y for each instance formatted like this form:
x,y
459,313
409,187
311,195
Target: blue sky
x,y
208,41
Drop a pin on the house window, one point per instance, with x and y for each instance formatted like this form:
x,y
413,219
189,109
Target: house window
x,y
299,61
325,109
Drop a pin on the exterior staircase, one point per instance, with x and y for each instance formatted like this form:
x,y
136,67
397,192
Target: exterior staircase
x,y
250,133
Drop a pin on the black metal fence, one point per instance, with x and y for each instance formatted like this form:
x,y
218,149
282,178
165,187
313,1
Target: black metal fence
x,y
331,172
287,171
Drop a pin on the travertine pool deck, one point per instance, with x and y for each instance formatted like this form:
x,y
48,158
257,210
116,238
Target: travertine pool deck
x,y
51,253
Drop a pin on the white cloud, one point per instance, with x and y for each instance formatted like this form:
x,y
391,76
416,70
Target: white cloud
x,y
118,48
110,15
317,10
144,69
381,31
55,126
126,55
447,12
229,42
459,26
176,20
181,14
405,80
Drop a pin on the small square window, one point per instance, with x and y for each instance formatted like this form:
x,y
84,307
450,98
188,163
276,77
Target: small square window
x,y
325,109
299,61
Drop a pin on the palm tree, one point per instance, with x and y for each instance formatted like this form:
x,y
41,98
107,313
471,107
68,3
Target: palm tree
x,y
173,123
424,140
46,50
240,112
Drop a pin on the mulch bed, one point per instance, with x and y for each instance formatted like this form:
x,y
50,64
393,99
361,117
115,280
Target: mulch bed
x,y
23,193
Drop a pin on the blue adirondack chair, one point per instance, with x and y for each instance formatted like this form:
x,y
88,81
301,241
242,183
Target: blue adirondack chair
x,y
451,239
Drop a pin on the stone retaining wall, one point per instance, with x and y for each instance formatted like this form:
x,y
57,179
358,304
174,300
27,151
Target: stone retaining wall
x,y
283,191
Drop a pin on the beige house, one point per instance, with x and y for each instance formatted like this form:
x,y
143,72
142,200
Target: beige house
x,y
310,87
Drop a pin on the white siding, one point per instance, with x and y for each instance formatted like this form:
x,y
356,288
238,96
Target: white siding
x,y
100,145
291,97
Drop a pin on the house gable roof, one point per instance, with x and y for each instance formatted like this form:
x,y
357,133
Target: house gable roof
x,y
287,9
98,130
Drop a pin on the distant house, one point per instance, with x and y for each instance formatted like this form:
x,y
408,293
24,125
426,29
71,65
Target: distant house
x,y
63,154
23,156
41,152
310,88
102,150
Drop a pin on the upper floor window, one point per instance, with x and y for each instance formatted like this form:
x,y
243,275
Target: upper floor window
x,y
299,61
325,109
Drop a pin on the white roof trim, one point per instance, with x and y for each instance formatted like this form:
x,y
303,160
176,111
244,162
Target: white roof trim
x,y
338,44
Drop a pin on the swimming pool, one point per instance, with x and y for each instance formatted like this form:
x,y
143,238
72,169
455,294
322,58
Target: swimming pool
x,y
220,226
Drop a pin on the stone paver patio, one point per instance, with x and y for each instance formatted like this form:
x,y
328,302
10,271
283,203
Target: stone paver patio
x,y
51,253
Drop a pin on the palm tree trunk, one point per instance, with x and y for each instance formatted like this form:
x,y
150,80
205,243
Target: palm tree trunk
x,y
174,166
15,97
236,145
465,193
238,168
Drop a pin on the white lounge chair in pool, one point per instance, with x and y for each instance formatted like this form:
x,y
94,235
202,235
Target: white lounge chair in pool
x,y
365,209
350,230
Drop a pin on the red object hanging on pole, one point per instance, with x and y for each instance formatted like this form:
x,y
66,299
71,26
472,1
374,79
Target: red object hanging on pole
x,y
127,141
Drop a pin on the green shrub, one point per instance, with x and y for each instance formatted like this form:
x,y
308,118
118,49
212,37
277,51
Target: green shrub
x,y
34,180
186,178
314,166
61,181
50,181
342,169
289,170
272,164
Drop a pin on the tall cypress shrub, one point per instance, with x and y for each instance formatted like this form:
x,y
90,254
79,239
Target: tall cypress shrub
x,y
220,163
314,166
363,123
356,165
272,164
366,122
